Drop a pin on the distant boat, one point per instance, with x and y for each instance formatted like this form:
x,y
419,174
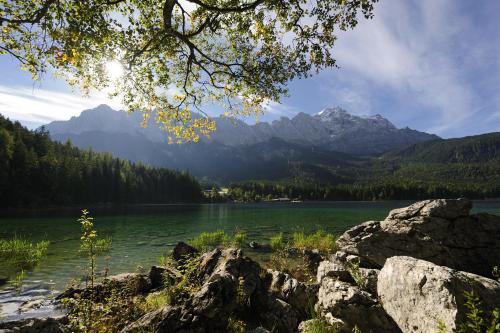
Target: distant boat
x,y
283,199
296,201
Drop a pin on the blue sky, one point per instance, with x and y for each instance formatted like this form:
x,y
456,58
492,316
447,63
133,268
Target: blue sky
x,y
432,65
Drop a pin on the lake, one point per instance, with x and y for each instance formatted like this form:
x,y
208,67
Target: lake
x,y
141,234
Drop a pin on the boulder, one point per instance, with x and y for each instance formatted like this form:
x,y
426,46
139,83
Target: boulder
x,y
448,209
227,280
440,231
420,295
333,269
369,278
299,295
159,275
126,283
35,325
266,248
277,315
312,259
182,251
343,303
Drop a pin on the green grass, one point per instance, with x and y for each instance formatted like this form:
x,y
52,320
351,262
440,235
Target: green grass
x,y
155,301
278,242
207,240
22,253
239,239
320,240
319,325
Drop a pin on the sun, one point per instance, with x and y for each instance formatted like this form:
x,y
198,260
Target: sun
x,y
114,69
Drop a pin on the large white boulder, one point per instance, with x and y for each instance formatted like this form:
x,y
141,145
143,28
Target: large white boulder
x,y
421,296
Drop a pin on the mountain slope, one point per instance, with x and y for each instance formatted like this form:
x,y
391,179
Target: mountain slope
x,y
310,147
36,171
471,149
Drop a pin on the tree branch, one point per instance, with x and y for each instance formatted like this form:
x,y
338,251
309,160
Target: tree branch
x,y
36,18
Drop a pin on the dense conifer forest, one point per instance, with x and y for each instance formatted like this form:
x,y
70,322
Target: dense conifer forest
x,y
34,171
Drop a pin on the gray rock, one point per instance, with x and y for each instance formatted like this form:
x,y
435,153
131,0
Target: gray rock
x,y
435,230
299,295
36,325
449,209
370,278
341,302
159,275
182,251
333,269
227,281
312,259
129,283
419,295
278,316
32,304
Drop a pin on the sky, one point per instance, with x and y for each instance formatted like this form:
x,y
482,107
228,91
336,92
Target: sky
x,y
431,65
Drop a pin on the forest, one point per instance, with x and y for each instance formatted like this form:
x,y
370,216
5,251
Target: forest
x,y
376,190
36,171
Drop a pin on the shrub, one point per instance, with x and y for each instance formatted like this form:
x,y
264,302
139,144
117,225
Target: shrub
x,y
278,242
207,240
477,320
320,240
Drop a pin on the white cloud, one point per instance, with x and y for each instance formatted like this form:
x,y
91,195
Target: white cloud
x,y
417,51
42,106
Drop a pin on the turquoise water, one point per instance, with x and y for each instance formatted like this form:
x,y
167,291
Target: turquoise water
x,y
143,233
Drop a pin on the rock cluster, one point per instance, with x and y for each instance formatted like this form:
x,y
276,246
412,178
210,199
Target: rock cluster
x,y
408,273
232,283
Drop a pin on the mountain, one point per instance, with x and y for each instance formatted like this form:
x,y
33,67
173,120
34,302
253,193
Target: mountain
x,y
331,129
284,149
471,149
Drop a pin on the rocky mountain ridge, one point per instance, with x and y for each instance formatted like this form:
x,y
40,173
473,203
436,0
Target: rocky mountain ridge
x,y
331,129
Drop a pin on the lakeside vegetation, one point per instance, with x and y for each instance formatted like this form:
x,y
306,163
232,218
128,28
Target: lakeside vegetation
x,y
36,171
18,255
378,189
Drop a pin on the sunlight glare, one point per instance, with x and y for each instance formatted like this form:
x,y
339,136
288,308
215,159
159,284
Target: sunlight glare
x,y
114,69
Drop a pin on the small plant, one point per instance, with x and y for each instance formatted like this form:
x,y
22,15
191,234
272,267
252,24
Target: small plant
x,y
236,326
496,273
442,327
477,321
17,281
353,269
239,239
356,329
90,245
320,240
318,324
85,314
278,242
165,260
156,301
208,240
